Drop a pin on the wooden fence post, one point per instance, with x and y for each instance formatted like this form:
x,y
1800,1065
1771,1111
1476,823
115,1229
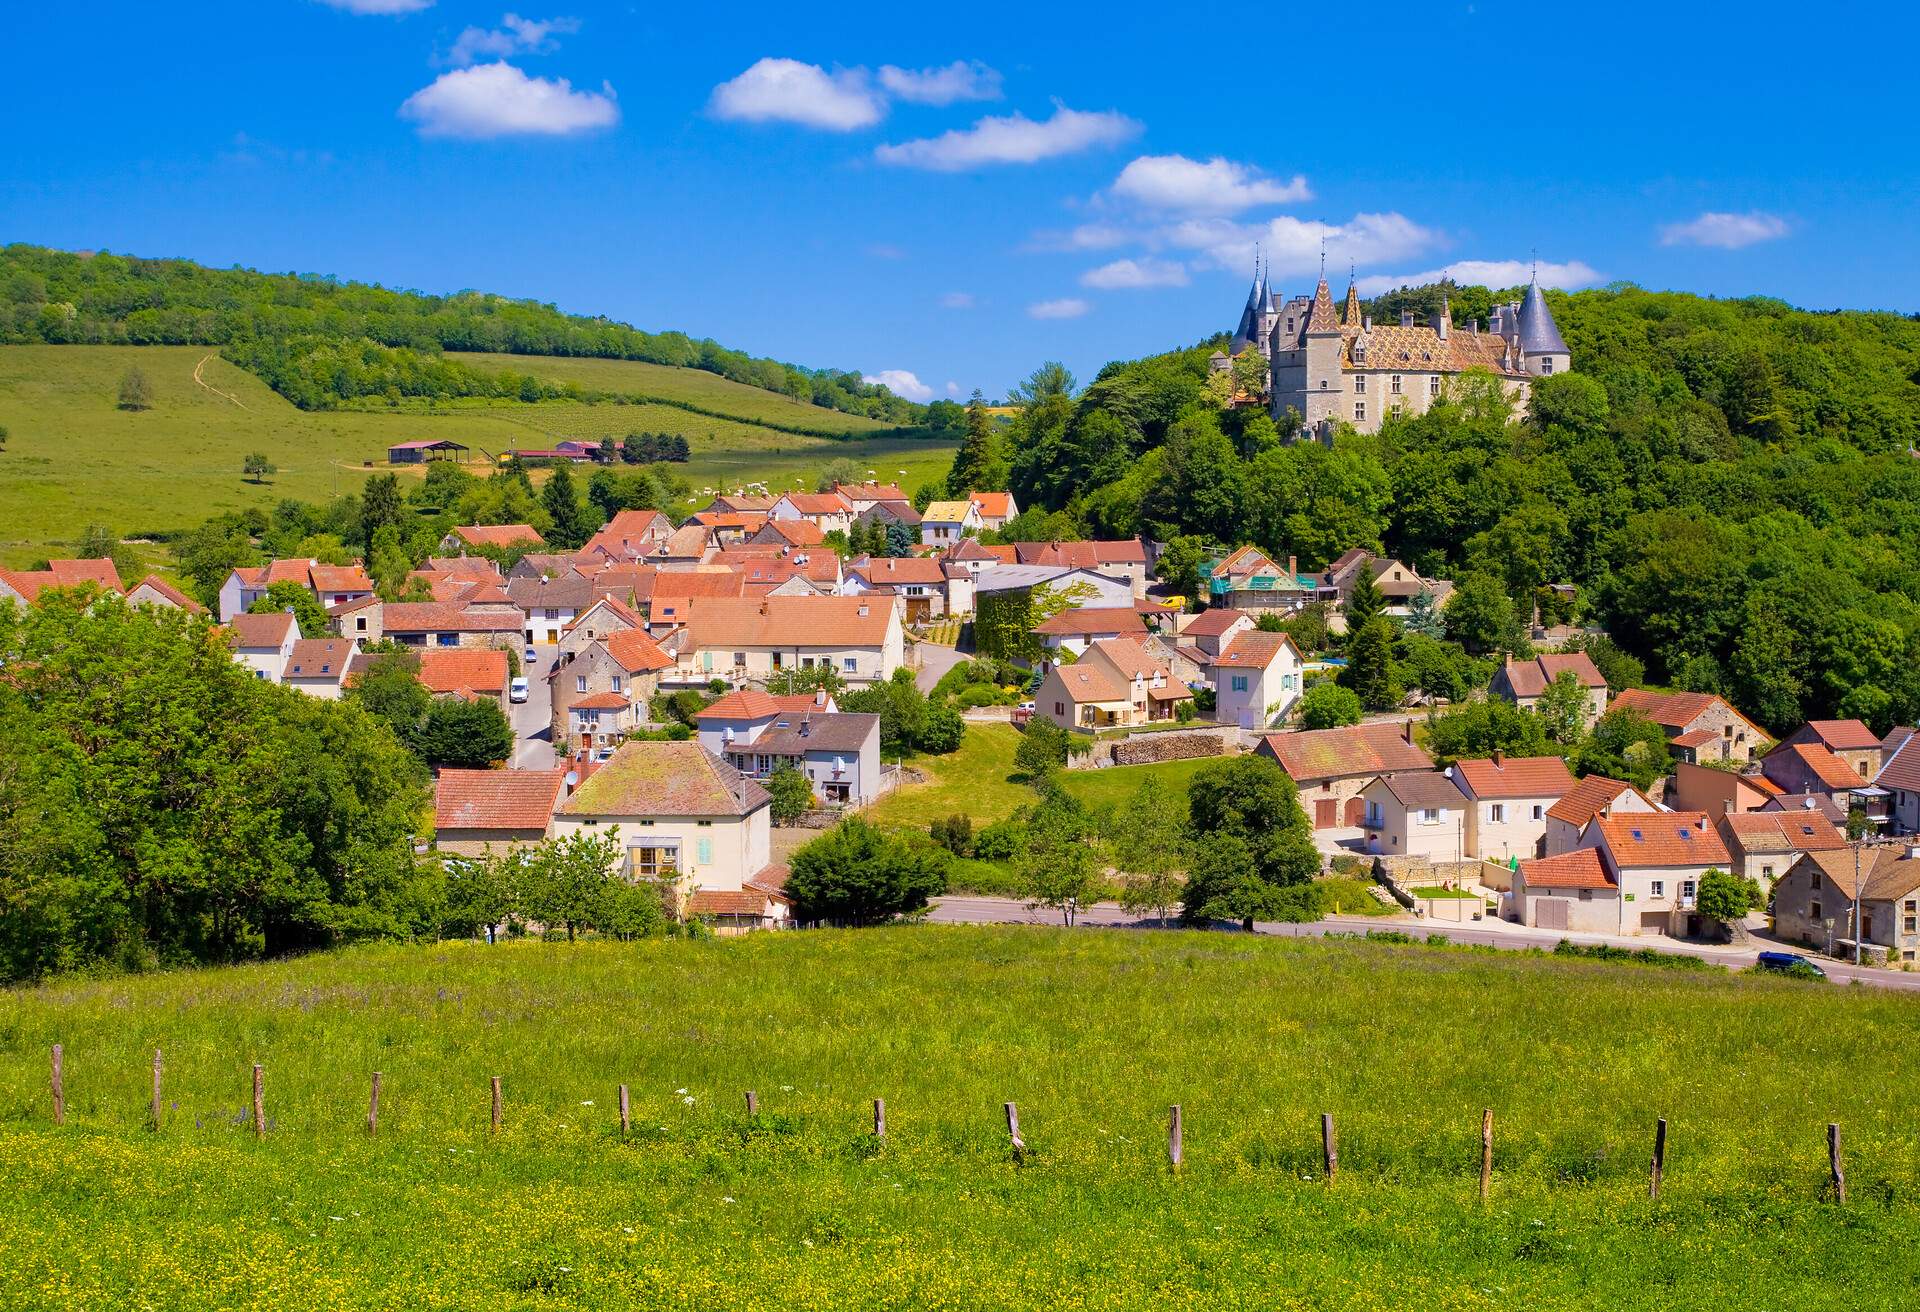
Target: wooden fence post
x,y
1013,1132
1329,1152
1833,1163
1174,1145
879,1118
259,1103
373,1107
59,1087
154,1110
626,1112
1486,1152
753,1103
495,1123
1659,1156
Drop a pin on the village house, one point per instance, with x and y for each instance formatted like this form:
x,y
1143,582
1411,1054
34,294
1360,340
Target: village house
x,y
318,666
1717,791
927,587
1123,558
630,535
740,715
944,523
1805,767
603,691
156,591
993,508
1857,746
1510,796
687,547
1699,726
1116,684
786,533
671,595
1573,890
862,497
1763,844
887,514
23,586
1415,813
550,605
432,623
733,529
1900,777
264,643
1249,580
838,753
970,555
688,822
1257,679
503,537
1398,583
1068,633
331,585
1567,818
469,673
1656,862
1523,682
1211,631
480,811
827,511
751,638
1332,767
1829,897
606,616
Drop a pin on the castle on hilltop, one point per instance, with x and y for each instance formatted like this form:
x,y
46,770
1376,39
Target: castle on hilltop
x,y
1332,368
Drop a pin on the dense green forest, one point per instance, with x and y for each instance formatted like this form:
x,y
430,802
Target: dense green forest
x,y
1728,483
320,340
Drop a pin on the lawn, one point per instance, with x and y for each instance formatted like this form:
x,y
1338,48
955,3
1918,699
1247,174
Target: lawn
x,y
73,458
1092,1033
977,780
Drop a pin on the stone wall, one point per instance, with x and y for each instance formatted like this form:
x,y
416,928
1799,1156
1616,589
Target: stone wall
x,y
1148,748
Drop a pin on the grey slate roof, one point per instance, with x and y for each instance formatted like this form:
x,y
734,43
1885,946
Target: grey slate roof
x,y
827,731
1539,335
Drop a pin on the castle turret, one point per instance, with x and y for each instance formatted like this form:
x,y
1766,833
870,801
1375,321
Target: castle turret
x,y
1541,348
1350,316
1249,327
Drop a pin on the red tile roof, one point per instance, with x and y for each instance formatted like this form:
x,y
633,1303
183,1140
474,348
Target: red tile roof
x,y
752,704
1843,735
499,535
725,622
1085,621
636,652
732,902
1581,868
1589,797
446,617
1780,831
1213,623
1254,649
1344,753
870,492
1516,776
463,669
665,778
173,595
1530,678
1670,838
268,630
600,701
992,505
818,503
1823,765
319,658
70,573
496,799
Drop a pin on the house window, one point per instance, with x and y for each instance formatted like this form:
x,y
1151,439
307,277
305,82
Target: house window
x,y
1393,384
654,861
1325,384
1059,708
1430,815
616,688
739,660
1656,888
1766,872
1359,384
552,614
1687,887
1539,812
579,683
851,663
1360,412
1910,925
1546,365
360,623
1239,683
1497,813
1433,385
449,640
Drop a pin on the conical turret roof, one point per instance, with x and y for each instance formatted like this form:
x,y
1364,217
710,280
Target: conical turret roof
x,y
1352,313
1539,335
1320,319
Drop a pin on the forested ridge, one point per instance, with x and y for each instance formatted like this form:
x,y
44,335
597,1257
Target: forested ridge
x,y
1728,483
321,340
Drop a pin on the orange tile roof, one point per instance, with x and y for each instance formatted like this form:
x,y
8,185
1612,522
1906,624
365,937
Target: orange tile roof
x,y
1515,776
797,532
446,617
600,701
992,505
697,583
818,503
1589,797
70,573
725,622
636,651
498,535
463,669
1254,649
319,658
1670,838
1344,753
880,570
1581,868
1530,678
496,799
1823,765
1084,621
339,578
732,902
268,630
1843,735
1780,831
1213,623
753,704
1090,682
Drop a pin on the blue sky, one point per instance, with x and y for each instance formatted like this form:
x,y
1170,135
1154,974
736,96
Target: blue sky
x,y
947,195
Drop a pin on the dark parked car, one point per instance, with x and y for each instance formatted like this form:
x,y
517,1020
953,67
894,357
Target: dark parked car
x,y
1789,963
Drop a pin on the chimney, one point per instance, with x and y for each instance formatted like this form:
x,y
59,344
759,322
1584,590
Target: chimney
x,y
1444,324
1499,759
1406,318
1701,823
1913,851
1408,731
1293,565
1366,322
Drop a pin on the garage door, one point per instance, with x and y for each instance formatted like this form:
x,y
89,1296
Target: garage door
x,y
1356,812
1550,913
1653,922
1326,813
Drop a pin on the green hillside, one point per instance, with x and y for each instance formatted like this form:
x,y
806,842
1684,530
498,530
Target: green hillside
x,y
1093,1034
73,458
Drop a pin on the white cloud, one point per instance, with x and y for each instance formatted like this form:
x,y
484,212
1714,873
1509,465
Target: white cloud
x,y
1136,273
788,91
1070,307
498,100
1729,232
515,35
380,6
1215,186
961,80
953,388
957,301
901,382
1293,246
1488,273
1012,139
1086,237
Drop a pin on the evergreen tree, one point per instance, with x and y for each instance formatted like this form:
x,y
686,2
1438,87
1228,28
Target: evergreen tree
x,y
570,527
1369,671
380,506
980,464
1363,602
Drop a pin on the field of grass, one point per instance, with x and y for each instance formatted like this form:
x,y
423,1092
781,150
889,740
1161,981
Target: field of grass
x,y
978,780
73,458
1093,1033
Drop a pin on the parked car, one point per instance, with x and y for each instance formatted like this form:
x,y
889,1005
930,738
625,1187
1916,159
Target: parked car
x,y
1789,963
532,657
517,690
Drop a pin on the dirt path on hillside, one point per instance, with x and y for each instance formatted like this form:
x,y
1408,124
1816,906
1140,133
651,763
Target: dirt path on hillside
x,y
210,387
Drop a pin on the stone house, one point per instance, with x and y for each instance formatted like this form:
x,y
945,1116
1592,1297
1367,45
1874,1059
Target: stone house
x,y
1764,844
1332,767
1900,777
1522,682
1595,795
1699,726
1417,813
1656,862
475,811
1818,899
603,691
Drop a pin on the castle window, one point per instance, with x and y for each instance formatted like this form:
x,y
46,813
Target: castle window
x,y
1393,384
1546,364
1433,385
1359,384
1360,412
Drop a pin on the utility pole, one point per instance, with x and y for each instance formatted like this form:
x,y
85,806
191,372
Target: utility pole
x,y
1856,898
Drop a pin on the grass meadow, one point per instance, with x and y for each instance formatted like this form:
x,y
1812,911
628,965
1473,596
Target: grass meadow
x,y
1093,1033
73,458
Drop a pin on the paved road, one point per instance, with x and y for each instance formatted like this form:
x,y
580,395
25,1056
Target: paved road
x,y
935,661
968,910
532,719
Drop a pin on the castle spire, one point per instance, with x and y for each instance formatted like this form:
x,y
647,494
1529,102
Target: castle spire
x,y
1352,315
1321,319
